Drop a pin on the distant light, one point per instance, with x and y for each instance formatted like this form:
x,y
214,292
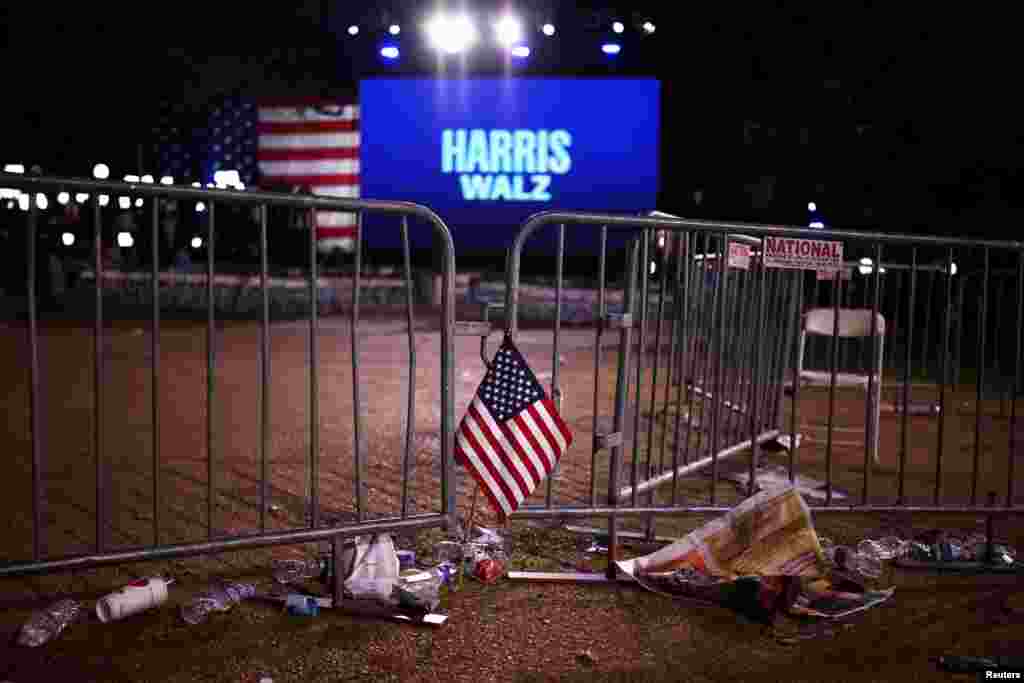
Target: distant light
x,y
196,185
147,178
210,186
451,34
353,30
104,199
200,207
9,193
548,29
81,197
654,267
611,48
509,30
125,240
649,27
100,171
394,29
10,203
661,240
14,168
42,202
197,242
811,206
124,202
138,203
816,224
866,261
952,269
63,198
167,180
389,52
131,178
68,239
618,27
521,51
224,179
23,202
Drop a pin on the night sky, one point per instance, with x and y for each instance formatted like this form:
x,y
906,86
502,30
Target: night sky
x,y
889,120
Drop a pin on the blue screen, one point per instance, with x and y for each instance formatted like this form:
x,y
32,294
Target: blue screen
x,y
486,153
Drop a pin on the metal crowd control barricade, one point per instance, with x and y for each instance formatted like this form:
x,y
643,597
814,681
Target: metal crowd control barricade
x,y
315,529
722,313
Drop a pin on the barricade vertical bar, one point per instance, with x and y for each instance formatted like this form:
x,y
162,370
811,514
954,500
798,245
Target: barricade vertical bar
x,y
662,295
264,370
791,328
734,352
599,329
682,308
795,402
693,343
360,459
760,325
314,391
717,318
621,391
978,409
211,359
832,387
929,297
960,331
1010,466
448,491
997,341
155,370
556,391
38,503
674,329
641,350
870,431
410,420
946,330
101,517
908,360
892,330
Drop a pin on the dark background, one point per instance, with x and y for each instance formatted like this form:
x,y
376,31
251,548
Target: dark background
x,y
889,119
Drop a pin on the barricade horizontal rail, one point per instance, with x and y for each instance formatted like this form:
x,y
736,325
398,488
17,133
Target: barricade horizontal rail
x,y
726,374
315,526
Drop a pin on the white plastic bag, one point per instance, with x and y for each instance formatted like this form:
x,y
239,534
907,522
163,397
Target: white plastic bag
x,y
375,569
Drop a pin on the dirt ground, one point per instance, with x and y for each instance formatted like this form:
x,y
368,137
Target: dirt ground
x,y
507,631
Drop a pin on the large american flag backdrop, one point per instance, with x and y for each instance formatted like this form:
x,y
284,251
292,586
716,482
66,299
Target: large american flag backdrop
x,y
512,435
312,145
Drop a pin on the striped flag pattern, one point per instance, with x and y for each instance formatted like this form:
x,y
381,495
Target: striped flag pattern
x,y
313,145
512,435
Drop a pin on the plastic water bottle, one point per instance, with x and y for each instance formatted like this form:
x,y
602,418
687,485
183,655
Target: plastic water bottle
x,y
292,571
216,599
47,624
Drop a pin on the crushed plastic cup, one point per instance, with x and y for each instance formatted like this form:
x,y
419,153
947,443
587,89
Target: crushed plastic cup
x,y
46,624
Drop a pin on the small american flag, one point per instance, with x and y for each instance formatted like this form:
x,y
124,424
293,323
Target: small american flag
x,y
512,435
314,146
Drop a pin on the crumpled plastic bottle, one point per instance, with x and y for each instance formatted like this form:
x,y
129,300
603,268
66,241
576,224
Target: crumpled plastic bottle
x,y
47,624
292,571
219,598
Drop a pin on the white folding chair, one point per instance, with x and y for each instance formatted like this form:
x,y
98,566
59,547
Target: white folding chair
x,y
853,323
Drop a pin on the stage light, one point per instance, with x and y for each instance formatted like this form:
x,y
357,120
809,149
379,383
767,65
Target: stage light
x,y
125,240
200,207
131,178
811,206
816,224
81,197
197,242
42,202
611,48
389,52
124,202
394,29
14,168
618,27
63,198
100,171
649,27
167,180
68,239
548,29
353,30
138,203
508,30
521,51
104,199
23,202
451,34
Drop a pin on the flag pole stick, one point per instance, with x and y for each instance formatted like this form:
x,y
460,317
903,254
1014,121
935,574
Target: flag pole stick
x,y
469,530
